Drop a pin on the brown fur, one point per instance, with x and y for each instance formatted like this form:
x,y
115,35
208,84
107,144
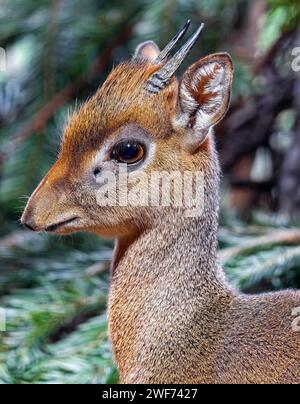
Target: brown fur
x,y
173,317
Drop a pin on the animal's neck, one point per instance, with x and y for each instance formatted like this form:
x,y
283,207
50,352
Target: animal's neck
x,y
166,282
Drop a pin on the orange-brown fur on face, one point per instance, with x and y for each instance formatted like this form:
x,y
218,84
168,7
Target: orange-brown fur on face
x,y
122,99
173,317
113,107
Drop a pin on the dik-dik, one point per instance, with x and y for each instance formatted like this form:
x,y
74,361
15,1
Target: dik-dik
x,y
173,317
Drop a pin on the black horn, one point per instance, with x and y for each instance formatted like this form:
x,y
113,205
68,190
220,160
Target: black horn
x,y
168,49
161,78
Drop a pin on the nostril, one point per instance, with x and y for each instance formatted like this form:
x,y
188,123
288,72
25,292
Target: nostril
x,y
97,172
29,227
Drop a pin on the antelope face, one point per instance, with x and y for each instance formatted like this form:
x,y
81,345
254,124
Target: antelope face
x,y
141,121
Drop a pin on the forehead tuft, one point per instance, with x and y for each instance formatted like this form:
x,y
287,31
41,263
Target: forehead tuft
x,y
121,100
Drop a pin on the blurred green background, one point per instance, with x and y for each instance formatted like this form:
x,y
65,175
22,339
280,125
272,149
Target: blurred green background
x,y
58,52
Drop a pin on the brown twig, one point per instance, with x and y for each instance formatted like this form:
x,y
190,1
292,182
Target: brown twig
x,y
267,59
281,237
97,269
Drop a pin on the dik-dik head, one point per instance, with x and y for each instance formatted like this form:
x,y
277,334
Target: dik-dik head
x,y
142,119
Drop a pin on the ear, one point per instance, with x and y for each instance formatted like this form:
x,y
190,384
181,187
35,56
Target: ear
x,y
204,97
147,51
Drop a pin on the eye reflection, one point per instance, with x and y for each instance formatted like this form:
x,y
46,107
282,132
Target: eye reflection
x,y
97,172
128,152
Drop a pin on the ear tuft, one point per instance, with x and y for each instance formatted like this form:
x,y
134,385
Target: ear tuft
x,y
204,95
146,51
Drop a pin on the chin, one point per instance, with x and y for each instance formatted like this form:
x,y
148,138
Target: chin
x,y
108,231
68,229
64,232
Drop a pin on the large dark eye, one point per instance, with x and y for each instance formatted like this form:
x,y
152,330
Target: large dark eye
x,y
128,152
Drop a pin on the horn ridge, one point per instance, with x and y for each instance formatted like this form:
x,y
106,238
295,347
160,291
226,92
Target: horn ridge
x,y
160,79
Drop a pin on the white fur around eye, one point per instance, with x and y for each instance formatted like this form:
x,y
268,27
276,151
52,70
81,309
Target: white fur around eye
x,y
129,131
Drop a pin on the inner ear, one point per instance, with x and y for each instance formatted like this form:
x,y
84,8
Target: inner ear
x,y
147,51
204,96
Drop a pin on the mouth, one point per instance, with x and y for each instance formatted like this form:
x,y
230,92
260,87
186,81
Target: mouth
x,y
62,226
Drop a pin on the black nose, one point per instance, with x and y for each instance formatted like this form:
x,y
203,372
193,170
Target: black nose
x,y
27,220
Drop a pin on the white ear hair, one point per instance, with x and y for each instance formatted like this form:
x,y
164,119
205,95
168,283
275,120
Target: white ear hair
x,y
204,97
146,51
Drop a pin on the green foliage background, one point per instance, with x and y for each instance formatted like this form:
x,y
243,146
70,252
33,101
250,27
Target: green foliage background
x,y
54,290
